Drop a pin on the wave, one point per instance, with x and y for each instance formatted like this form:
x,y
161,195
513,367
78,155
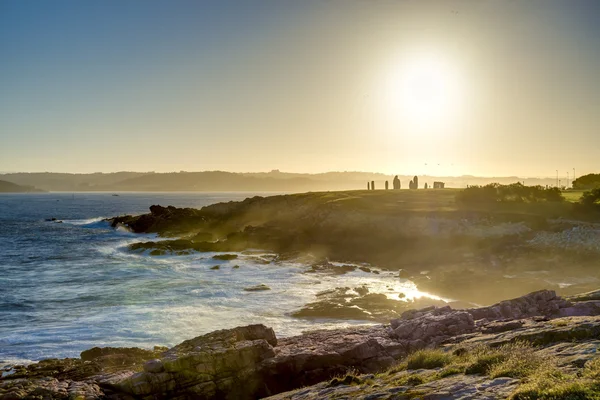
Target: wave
x,y
98,222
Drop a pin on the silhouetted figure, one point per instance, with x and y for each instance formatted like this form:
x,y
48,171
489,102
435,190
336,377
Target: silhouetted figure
x,y
387,185
396,183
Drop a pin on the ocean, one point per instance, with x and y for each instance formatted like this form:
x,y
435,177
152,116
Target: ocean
x,y
66,287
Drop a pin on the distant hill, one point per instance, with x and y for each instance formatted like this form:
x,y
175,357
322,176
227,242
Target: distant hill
x,y
9,187
230,181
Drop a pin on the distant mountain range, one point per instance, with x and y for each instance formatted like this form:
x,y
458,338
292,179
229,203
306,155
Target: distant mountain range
x,y
230,181
9,187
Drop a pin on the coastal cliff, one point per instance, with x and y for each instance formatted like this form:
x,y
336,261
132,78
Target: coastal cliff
x,y
436,352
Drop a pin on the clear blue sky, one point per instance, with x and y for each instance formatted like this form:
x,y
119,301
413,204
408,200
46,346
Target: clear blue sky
x,y
511,87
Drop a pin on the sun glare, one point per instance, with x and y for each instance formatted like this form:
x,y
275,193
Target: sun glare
x,y
424,90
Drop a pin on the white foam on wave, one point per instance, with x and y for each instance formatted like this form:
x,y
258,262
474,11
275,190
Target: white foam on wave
x,y
142,301
98,222
6,365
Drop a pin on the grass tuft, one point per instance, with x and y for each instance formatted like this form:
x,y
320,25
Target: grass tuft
x,y
349,379
428,359
552,384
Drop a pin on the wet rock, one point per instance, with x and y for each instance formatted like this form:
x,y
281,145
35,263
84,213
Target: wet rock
x,y
225,257
257,288
329,268
355,304
215,267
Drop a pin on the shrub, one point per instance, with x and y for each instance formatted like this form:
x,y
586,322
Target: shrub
x,y
590,198
589,181
515,192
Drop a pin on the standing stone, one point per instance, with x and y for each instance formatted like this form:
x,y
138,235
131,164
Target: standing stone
x,y
387,185
372,185
396,183
416,182
368,186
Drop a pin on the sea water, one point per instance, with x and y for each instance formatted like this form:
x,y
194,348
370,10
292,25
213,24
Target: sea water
x,y
72,285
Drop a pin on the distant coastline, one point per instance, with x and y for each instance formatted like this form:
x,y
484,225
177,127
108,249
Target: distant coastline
x,y
220,181
9,187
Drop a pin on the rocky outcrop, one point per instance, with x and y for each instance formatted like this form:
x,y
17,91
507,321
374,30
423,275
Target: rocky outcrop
x,y
160,219
358,303
433,327
250,362
543,302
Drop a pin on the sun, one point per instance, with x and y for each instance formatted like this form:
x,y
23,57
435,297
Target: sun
x,y
424,90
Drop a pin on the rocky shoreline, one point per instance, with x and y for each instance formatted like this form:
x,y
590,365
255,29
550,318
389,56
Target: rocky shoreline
x,y
477,255
251,362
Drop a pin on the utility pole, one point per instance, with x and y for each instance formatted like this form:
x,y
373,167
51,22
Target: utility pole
x,y
567,179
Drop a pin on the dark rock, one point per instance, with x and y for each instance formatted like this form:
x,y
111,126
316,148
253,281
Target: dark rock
x,y
403,274
215,267
257,288
329,268
225,257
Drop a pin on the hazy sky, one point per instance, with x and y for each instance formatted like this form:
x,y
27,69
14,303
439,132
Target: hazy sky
x,y
478,87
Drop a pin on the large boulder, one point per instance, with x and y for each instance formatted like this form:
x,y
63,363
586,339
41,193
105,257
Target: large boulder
x,y
432,327
541,303
224,364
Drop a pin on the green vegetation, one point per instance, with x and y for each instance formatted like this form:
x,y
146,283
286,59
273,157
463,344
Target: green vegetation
x,y
553,384
348,379
589,181
517,192
541,378
428,359
572,196
514,360
591,199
